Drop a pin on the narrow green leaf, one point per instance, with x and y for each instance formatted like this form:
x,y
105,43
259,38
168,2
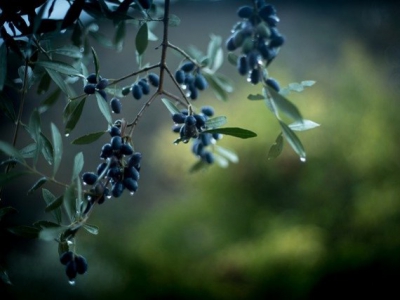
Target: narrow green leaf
x,y
51,233
57,78
25,231
104,108
68,50
29,75
227,153
296,87
170,106
34,128
276,148
234,131
284,105
28,151
308,83
49,101
115,91
173,20
225,83
69,202
49,198
44,84
37,185
120,35
216,122
58,66
75,115
91,228
102,39
45,224
305,125
214,46
7,106
88,138
78,165
4,276
7,210
293,141
233,58
255,97
96,62
47,150
8,149
3,65
218,90
142,39
56,203
57,147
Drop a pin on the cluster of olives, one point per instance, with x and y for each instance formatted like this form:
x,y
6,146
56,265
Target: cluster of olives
x,y
74,264
191,126
95,83
118,172
258,38
191,79
142,87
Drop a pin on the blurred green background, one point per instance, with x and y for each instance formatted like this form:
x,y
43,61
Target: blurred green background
x,y
259,229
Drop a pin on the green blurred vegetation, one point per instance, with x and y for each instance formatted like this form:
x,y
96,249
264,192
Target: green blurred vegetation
x,y
280,229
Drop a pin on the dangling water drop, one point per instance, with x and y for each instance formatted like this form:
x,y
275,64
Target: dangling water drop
x,y
67,135
132,193
71,282
302,159
108,196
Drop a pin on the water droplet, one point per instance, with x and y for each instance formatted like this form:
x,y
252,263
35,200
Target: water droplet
x,y
113,111
302,159
71,282
108,196
70,243
132,193
84,183
67,135
82,49
89,198
248,79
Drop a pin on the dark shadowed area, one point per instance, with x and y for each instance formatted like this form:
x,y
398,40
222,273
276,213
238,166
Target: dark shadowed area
x,y
277,229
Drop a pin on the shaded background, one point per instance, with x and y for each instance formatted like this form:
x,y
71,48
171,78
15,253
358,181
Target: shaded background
x,y
280,229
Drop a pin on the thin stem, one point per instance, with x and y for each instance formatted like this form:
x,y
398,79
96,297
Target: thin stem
x,y
183,53
177,84
135,73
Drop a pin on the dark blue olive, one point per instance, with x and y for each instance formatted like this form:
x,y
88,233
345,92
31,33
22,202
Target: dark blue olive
x,y
106,151
154,79
187,66
89,178
194,93
200,121
245,12
144,85
208,157
272,21
176,128
277,41
89,88
189,79
131,172
180,76
208,111
137,91
116,143
273,84
198,148
92,78
230,44
205,138
252,58
266,11
190,120
116,105
130,184
100,168
114,131
134,160
81,264
114,173
66,257
126,149
200,82
179,118
70,270
126,90
117,189
255,76
243,66
103,83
